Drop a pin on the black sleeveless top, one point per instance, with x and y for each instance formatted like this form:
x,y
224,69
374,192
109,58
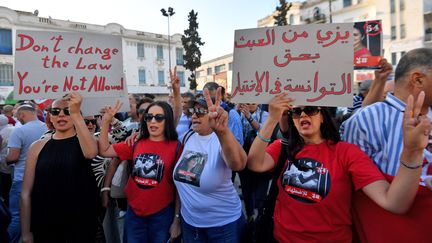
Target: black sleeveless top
x,y
64,192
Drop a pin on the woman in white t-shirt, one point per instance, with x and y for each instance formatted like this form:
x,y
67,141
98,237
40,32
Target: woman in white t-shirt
x,y
211,210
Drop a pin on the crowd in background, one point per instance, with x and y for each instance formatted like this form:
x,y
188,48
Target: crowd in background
x,y
166,171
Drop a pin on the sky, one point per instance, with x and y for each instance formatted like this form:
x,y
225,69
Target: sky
x,y
217,19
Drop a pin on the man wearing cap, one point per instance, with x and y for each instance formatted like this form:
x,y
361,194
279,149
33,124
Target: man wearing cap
x,y
19,142
7,111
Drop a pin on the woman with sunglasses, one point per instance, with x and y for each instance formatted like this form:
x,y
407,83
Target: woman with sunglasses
x,y
316,183
211,210
60,199
152,214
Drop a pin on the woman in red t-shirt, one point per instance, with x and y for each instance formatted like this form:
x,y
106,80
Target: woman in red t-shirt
x,y
316,183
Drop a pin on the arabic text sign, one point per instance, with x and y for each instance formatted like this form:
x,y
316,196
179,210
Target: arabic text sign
x,y
51,64
313,63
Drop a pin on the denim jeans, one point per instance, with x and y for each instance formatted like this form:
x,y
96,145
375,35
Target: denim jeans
x,y
14,228
229,233
152,229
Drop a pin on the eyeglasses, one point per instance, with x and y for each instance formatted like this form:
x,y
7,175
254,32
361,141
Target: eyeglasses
x,y
56,111
200,112
88,121
158,117
308,110
141,111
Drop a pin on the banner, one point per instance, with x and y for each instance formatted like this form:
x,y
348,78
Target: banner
x,y
313,63
52,64
367,37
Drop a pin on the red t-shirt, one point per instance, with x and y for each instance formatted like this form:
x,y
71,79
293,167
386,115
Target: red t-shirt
x,y
315,191
150,187
11,120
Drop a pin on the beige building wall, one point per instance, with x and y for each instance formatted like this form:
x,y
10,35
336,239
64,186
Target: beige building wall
x,y
217,70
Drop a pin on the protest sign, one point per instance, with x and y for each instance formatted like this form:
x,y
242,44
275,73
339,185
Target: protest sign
x,y
51,64
367,38
313,63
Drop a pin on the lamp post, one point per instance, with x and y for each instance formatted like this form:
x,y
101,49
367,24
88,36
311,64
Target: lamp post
x,y
168,14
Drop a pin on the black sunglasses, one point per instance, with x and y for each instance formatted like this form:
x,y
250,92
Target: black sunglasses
x,y
158,117
141,111
56,111
88,121
308,110
200,112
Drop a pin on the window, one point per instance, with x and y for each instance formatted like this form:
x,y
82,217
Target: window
x,y
209,71
180,74
230,66
6,75
392,6
220,68
347,3
393,32
159,52
142,77
393,58
140,50
198,74
402,31
5,42
179,56
402,53
402,5
161,77
291,19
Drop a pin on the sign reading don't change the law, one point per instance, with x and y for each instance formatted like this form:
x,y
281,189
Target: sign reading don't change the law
x,y
51,64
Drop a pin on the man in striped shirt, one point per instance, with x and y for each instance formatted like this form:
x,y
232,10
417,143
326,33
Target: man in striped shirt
x,y
377,130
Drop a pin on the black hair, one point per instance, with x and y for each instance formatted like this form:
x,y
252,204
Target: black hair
x,y
417,58
296,142
142,101
189,95
170,132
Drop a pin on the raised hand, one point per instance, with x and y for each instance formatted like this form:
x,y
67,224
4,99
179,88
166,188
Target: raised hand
x,y
174,80
385,70
218,117
110,111
74,100
278,105
416,127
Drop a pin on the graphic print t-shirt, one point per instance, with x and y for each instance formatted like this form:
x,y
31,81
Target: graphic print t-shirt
x,y
203,181
315,191
150,187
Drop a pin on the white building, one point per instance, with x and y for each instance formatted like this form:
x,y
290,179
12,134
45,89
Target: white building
x,y
145,55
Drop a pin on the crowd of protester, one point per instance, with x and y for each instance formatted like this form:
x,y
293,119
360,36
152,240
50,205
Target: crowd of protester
x,y
167,171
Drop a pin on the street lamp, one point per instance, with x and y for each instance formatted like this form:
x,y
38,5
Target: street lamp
x,y
168,14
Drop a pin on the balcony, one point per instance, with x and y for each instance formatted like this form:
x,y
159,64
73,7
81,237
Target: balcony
x,y
316,19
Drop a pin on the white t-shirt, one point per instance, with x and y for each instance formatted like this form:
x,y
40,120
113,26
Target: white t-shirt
x,y
203,181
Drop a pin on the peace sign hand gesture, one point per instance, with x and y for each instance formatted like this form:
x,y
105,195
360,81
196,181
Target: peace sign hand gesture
x,y
110,111
416,127
175,80
218,117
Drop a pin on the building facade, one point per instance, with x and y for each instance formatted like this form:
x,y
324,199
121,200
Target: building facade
x,y
145,55
217,70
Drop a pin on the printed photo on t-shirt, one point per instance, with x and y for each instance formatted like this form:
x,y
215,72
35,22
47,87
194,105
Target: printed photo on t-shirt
x,y
148,170
306,180
190,168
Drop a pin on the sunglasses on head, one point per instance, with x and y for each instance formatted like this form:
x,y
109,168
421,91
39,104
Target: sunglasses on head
x,y
88,121
141,111
200,112
158,117
56,111
308,110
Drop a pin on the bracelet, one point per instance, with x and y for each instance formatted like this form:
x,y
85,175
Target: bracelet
x,y
262,138
105,189
411,167
177,216
250,120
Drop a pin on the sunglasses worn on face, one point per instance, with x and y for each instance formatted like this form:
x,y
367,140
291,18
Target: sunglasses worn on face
x,y
158,117
308,110
88,121
56,111
200,112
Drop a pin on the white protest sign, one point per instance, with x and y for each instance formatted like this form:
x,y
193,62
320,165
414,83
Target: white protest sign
x,y
51,64
313,63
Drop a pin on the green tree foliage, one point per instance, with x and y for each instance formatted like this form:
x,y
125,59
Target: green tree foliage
x,y
282,10
191,43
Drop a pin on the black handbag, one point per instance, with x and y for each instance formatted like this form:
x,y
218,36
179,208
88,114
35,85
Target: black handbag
x,y
263,225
